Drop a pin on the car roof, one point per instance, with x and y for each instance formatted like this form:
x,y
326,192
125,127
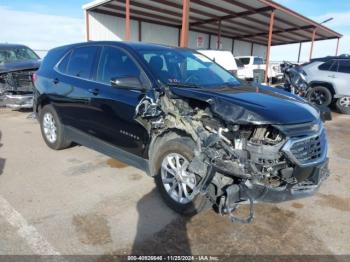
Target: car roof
x,y
7,45
327,58
131,45
213,51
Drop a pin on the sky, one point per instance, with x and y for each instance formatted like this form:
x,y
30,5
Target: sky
x,y
44,24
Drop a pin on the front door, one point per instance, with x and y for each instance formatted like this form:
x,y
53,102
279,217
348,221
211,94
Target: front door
x,y
113,108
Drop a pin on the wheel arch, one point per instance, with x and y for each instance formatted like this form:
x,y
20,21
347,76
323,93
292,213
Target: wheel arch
x,y
167,134
41,101
328,85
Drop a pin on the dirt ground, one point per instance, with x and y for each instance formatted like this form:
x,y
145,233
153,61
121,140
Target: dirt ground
x,y
77,201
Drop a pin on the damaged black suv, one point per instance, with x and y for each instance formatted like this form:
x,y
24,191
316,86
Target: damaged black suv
x,y
207,138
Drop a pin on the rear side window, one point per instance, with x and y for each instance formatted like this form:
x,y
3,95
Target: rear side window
x,y
82,61
344,66
330,65
245,61
116,63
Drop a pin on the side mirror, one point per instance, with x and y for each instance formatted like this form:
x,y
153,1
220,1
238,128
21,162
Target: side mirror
x,y
127,82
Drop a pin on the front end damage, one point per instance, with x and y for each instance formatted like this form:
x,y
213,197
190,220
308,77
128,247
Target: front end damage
x,y
247,160
16,88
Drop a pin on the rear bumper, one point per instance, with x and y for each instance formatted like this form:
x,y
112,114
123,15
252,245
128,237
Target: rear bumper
x,y
308,187
18,101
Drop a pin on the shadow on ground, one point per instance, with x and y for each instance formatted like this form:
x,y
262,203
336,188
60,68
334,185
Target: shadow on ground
x,y
172,239
275,231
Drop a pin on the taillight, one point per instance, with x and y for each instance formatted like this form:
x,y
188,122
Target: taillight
x,y
34,77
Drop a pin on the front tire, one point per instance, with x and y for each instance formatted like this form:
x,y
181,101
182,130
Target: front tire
x,y
175,182
343,105
320,96
52,130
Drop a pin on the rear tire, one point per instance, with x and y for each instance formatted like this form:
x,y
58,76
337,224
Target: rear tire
x,y
51,129
343,105
320,96
167,148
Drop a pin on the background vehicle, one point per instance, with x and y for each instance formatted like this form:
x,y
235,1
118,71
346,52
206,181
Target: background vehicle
x,y
294,79
329,79
206,138
17,65
227,61
254,62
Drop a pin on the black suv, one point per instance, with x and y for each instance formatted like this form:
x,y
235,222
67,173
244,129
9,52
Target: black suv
x,y
207,138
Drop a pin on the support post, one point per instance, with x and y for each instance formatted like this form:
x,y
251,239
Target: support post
x,y
127,20
185,23
299,51
209,42
337,49
272,18
233,46
87,25
140,30
219,35
252,49
312,42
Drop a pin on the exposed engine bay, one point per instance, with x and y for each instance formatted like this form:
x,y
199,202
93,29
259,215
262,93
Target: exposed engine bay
x,y
16,88
17,82
246,161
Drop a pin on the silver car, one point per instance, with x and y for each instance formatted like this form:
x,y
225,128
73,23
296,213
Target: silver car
x,y
330,82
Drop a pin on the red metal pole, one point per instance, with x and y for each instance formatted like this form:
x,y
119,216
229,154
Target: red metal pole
x,y
336,51
87,25
185,23
272,18
127,20
312,42
219,35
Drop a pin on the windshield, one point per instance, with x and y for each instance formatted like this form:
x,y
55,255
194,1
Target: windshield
x,y
258,61
186,68
9,55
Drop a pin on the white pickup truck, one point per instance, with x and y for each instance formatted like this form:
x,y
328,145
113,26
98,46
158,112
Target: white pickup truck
x,y
227,61
255,62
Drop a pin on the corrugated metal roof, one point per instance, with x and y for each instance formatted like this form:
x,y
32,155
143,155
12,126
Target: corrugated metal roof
x,y
246,20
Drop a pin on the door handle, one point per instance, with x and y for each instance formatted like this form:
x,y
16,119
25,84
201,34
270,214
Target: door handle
x,y
94,91
56,81
332,76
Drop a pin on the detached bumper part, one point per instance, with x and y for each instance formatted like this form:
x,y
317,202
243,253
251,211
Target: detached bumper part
x,y
18,101
308,187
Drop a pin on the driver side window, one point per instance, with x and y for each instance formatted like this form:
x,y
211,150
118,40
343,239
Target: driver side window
x,y
115,63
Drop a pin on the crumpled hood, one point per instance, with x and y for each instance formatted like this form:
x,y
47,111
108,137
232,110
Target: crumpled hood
x,y
250,104
21,65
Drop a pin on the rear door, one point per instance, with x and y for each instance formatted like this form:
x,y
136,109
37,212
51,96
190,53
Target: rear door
x,y
112,109
75,87
342,78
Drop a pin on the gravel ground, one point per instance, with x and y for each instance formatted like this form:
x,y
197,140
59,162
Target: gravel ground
x,y
77,201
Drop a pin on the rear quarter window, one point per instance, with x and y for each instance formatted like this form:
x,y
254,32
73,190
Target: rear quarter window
x,y
62,66
330,65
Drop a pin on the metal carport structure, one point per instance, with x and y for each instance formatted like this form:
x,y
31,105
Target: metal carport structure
x,y
260,22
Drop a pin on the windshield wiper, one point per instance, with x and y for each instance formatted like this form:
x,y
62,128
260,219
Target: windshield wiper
x,y
187,85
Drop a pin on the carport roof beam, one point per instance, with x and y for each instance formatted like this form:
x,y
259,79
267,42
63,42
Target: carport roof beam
x,y
237,16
